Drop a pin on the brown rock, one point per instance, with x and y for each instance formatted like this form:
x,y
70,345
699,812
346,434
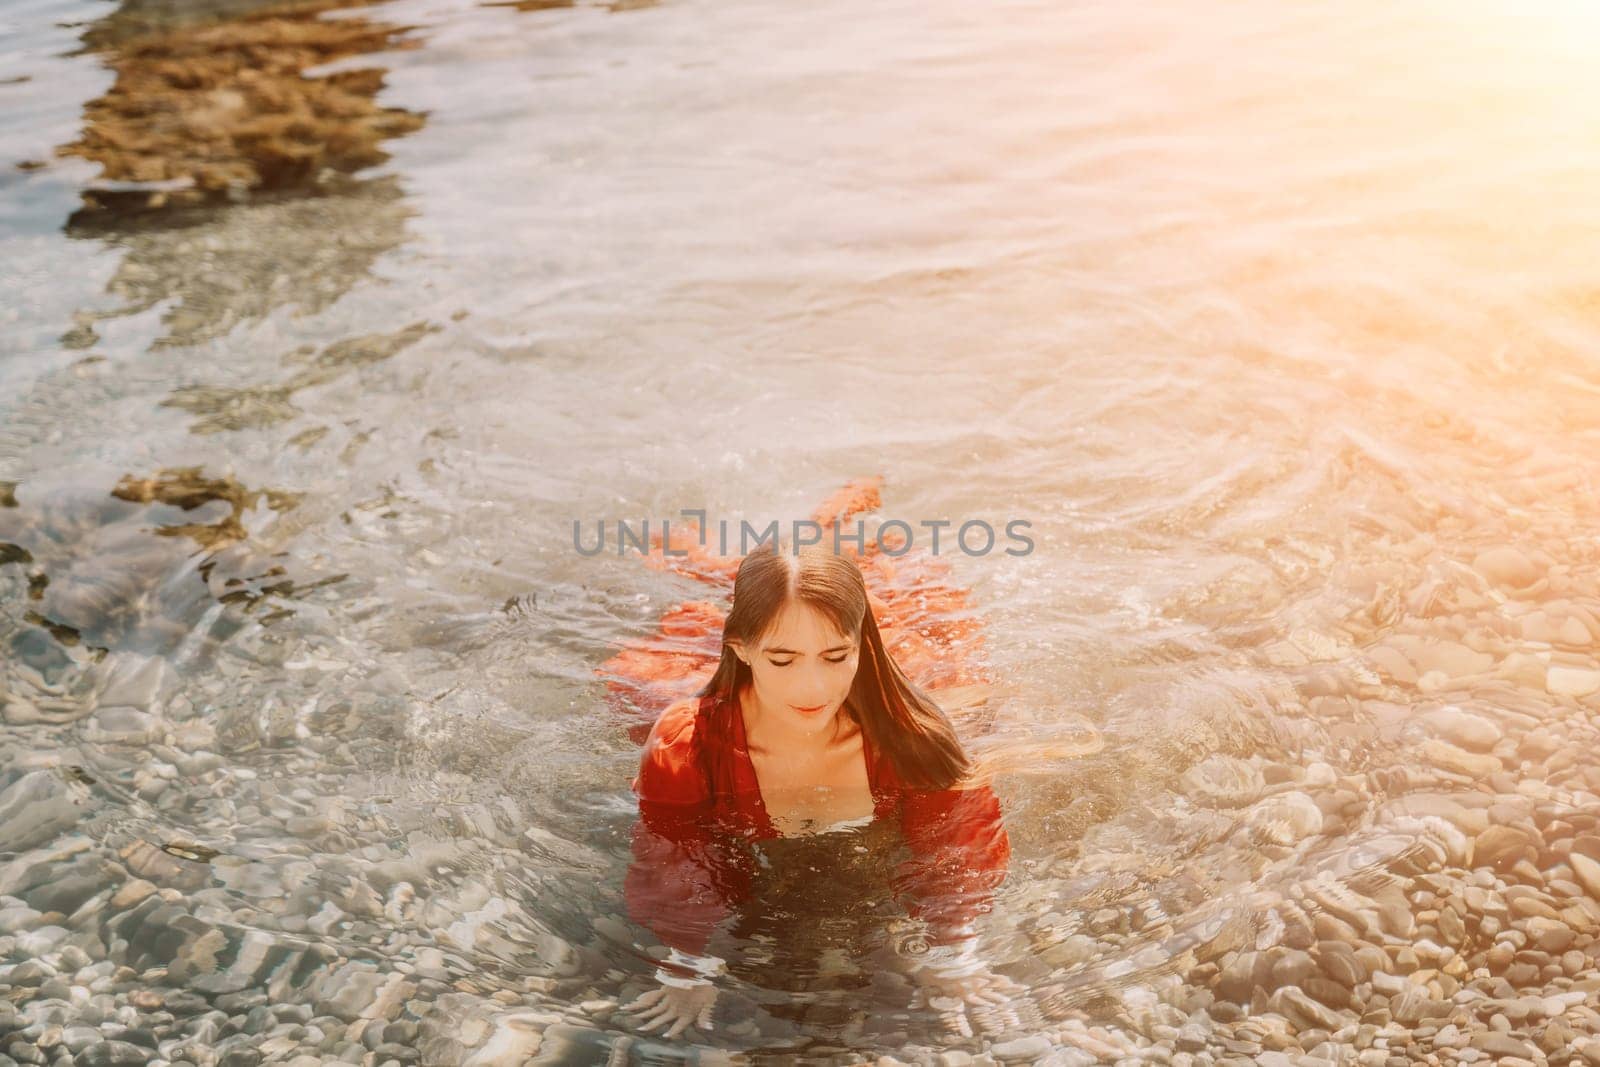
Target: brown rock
x,y
1507,567
164,867
1572,681
1448,757
1414,1004
1463,728
132,891
1236,980
1538,745
1502,846
1587,872
1295,1005
1333,994
1340,963
1290,967
1332,928
1556,1036
1523,975
1501,1045
1550,935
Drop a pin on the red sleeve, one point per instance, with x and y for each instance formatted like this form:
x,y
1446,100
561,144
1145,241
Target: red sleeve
x,y
676,884
959,853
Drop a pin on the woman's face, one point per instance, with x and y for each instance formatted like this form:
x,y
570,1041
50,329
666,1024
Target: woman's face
x,y
802,670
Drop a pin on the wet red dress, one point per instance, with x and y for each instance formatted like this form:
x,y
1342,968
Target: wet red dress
x,y
699,797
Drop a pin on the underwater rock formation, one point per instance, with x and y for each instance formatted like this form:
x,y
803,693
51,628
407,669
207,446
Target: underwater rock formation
x,y
203,112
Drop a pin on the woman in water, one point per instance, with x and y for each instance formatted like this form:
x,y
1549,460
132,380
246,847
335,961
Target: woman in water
x,y
807,726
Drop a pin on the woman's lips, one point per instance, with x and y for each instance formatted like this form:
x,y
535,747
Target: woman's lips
x,y
809,711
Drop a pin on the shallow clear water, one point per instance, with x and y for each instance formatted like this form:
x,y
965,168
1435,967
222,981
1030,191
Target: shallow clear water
x,y
1277,323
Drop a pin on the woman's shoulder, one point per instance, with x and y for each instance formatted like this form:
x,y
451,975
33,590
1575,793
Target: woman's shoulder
x,y
670,768
677,721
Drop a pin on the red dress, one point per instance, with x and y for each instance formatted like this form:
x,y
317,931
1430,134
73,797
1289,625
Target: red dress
x,y
699,796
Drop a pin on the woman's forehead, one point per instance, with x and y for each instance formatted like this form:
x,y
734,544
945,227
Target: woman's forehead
x,y
803,628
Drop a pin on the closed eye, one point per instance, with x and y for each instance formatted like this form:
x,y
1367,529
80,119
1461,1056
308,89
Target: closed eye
x,y
830,659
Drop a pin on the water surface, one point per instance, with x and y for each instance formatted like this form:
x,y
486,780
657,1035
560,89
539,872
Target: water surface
x,y
1277,323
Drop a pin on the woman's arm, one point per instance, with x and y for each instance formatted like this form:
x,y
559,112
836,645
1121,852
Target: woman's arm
x,y
672,886
678,884
959,856
679,881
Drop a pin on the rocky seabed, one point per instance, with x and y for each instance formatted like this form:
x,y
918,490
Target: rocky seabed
x,y
328,932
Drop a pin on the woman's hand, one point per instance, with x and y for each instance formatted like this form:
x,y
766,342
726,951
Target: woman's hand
x,y
675,1006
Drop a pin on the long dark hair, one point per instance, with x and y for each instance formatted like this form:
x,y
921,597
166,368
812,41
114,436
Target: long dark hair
x,y
898,718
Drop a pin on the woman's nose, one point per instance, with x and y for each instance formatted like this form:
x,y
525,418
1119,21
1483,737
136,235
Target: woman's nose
x,y
814,689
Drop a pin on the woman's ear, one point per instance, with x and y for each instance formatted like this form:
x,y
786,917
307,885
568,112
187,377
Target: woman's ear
x,y
738,650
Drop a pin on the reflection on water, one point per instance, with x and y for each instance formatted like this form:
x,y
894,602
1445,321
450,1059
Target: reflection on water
x,y
222,409
211,269
1293,370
